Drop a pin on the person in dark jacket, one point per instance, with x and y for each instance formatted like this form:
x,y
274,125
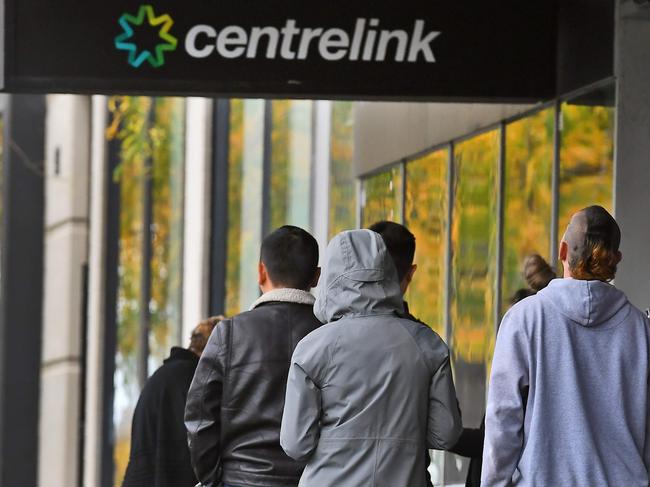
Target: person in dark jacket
x,y
159,455
400,243
235,403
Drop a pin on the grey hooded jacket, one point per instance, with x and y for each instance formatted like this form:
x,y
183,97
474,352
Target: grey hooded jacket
x,y
367,391
569,400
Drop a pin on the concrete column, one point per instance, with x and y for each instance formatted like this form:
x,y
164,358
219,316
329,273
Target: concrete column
x,y
66,240
196,244
632,166
96,292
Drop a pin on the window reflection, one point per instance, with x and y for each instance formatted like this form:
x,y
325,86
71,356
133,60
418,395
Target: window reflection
x,y
473,272
426,217
586,157
245,178
291,142
130,173
168,152
150,144
382,197
528,197
342,198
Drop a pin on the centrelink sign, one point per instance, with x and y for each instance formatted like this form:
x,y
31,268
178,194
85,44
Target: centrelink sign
x,y
368,42
390,49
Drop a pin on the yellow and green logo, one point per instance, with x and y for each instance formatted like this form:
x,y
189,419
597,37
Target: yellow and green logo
x,y
126,42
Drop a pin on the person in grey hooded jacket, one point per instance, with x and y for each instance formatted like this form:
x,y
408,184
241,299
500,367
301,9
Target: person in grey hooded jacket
x,y
369,390
569,401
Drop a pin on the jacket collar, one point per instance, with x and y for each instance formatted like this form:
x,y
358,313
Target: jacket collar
x,y
285,295
178,353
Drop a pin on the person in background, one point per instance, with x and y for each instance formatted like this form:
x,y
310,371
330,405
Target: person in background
x,y
234,407
159,455
370,390
400,243
537,274
569,392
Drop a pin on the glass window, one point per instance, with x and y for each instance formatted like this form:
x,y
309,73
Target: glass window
x,y
150,144
586,156
133,113
528,197
426,217
473,273
168,153
342,198
291,141
245,179
382,197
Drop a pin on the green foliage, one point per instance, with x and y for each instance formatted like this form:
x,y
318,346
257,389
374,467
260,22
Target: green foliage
x,y
342,198
383,197
528,196
426,217
150,132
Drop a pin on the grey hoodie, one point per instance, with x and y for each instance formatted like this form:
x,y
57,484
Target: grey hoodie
x,y
578,351
367,391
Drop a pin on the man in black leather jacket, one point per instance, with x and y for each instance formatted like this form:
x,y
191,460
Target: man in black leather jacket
x,y
234,406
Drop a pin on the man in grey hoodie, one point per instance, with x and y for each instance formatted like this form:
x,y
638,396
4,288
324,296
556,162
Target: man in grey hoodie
x,y
368,391
568,403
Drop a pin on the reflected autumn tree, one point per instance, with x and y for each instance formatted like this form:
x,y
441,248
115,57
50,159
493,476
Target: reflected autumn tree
x,y
528,197
150,137
382,197
426,218
291,158
586,159
342,197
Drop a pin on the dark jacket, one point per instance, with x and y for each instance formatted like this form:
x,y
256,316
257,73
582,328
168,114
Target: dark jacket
x,y
159,454
470,445
234,407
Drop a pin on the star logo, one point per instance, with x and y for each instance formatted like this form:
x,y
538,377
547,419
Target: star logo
x,y
125,41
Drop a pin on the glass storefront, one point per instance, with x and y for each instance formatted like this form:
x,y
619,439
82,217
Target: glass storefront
x,y
245,179
473,274
528,197
586,157
467,304
381,197
426,217
149,135
342,197
449,198
291,163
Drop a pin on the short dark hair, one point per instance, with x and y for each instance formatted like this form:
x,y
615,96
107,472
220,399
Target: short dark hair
x,y
290,255
400,243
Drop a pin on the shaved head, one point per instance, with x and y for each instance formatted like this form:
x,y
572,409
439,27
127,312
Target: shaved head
x,y
591,242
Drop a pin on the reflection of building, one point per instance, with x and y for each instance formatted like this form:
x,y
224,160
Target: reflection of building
x,y
154,221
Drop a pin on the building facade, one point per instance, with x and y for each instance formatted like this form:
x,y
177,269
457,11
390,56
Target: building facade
x,y
127,219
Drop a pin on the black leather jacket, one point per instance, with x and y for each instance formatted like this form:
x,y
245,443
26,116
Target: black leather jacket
x,y
234,406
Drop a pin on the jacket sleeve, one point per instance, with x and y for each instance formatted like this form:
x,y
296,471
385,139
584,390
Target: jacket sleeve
x,y
470,443
444,423
300,421
504,420
203,409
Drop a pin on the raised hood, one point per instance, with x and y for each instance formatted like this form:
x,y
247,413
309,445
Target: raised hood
x,y
359,278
